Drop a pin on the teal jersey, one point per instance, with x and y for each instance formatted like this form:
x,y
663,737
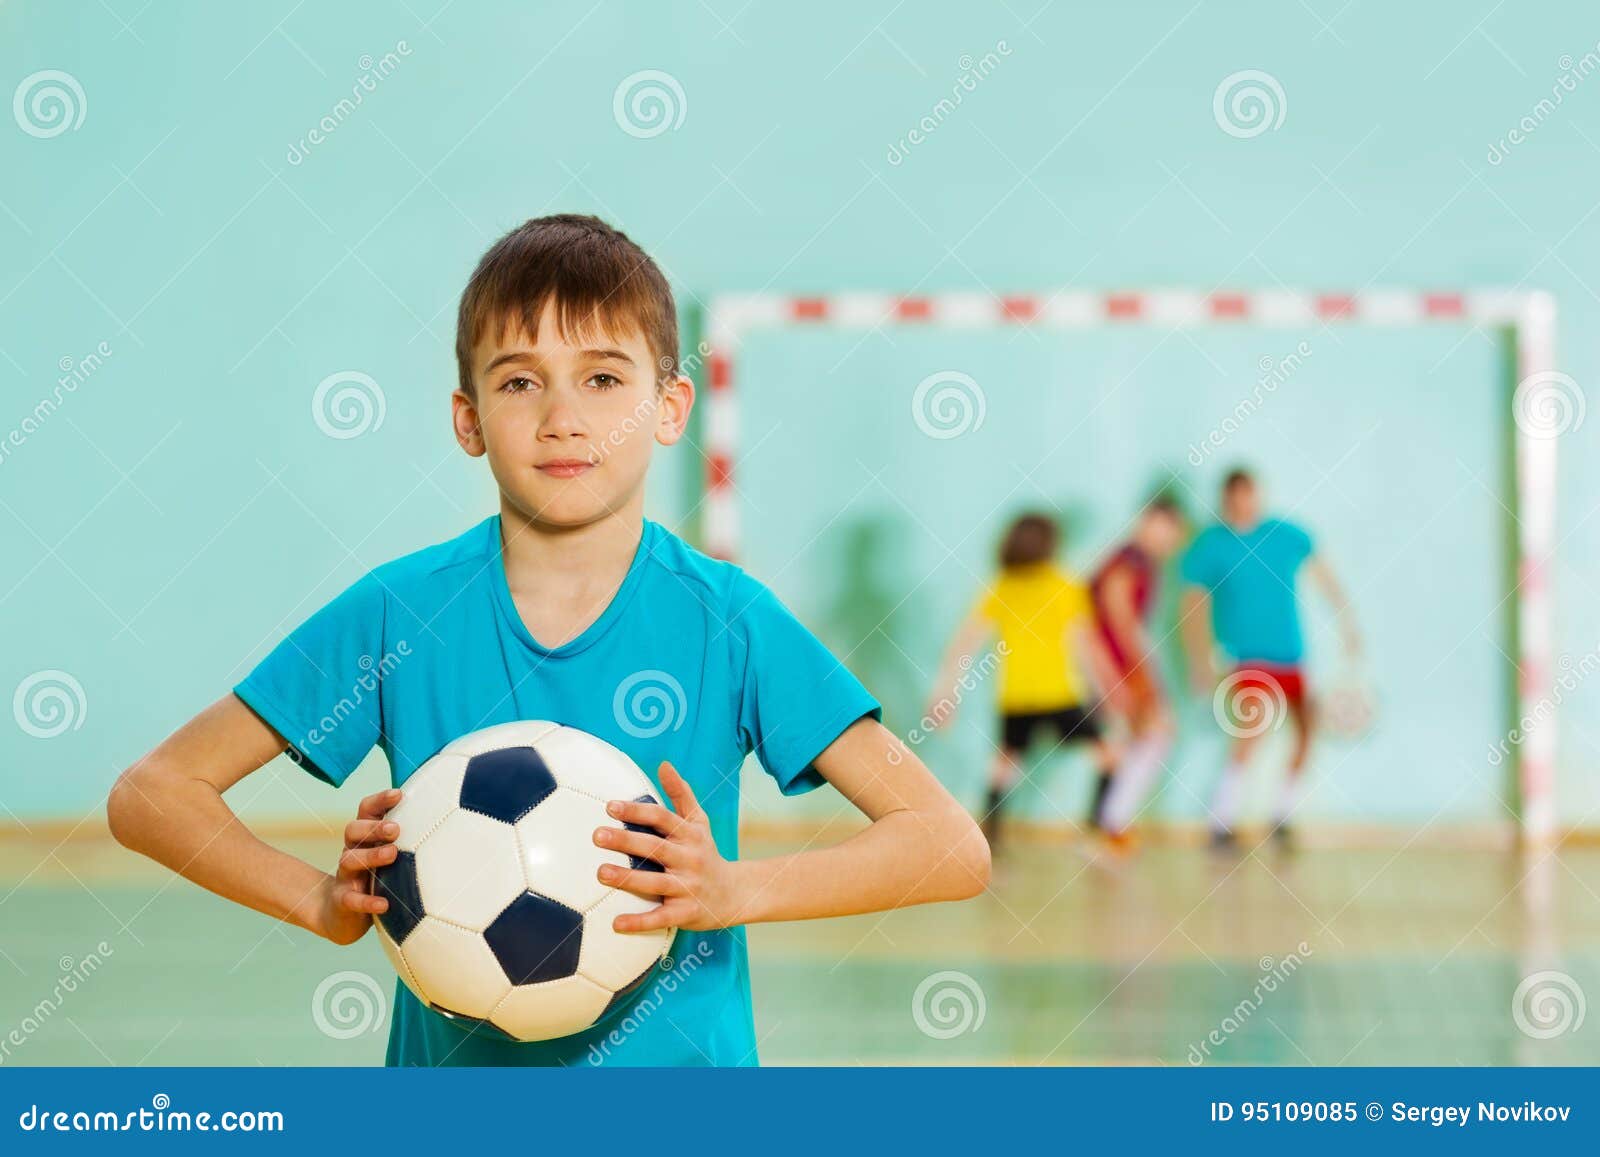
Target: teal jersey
x,y
693,662
1252,578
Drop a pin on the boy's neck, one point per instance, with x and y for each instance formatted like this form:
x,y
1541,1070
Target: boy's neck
x,y
535,552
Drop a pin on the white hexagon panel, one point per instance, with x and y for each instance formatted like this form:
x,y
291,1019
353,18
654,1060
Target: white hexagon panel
x,y
469,869
614,959
559,856
587,764
552,1009
462,974
429,794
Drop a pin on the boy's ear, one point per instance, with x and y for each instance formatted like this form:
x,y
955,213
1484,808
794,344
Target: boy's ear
x,y
464,416
675,404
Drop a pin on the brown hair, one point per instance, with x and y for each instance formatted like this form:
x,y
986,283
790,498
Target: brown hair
x,y
1030,538
592,273
1165,502
1238,476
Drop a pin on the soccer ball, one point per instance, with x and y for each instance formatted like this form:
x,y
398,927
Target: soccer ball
x,y
496,917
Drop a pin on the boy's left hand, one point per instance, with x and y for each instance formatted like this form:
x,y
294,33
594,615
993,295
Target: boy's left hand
x,y
698,889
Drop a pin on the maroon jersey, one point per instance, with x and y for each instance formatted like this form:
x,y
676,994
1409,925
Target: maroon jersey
x,y
1142,570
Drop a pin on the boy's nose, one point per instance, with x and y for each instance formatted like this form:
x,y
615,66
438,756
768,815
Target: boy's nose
x,y
560,421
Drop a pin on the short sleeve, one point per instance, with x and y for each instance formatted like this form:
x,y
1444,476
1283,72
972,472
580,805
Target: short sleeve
x,y
319,688
795,698
987,607
1304,548
1195,568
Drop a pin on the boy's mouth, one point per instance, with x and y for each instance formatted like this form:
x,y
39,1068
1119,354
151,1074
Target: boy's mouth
x,y
565,467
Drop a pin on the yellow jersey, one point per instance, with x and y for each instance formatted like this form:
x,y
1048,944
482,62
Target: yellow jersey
x,y
1036,610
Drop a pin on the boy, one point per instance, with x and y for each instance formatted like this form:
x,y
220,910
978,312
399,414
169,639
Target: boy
x,y
1123,591
567,348
1040,617
1247,568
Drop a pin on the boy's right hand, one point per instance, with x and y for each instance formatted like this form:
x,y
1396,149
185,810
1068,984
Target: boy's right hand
x,y
347,903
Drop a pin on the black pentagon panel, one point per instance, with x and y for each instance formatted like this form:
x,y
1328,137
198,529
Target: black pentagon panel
x,y
639,862
397,883
625,995
506,784
536,939
471,1025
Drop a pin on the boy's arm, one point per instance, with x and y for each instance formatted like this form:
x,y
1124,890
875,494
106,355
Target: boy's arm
x,y
921,846
942,699
1122,616
1328,583
1195,618
169,806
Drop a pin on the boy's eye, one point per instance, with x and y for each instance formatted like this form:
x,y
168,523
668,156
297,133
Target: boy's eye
x,y
606,381
518,384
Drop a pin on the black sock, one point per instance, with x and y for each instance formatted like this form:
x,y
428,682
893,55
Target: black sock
x,y
1102,789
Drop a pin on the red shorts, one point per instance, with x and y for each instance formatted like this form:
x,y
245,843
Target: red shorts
x,y
1274,679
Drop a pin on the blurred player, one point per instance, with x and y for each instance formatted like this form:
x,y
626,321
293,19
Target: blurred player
x,y
1123,591
1247,567
1042,620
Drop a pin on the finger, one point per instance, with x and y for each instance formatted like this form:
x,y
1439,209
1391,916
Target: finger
x,y
356,901
647,815
641,882
360,833
657,917
356,860
641,844
376,804
678,791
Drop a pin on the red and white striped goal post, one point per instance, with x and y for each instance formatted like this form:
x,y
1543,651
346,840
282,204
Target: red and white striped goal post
x,y
1528,317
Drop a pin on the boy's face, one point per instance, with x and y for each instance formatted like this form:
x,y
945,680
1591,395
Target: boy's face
x,y
1161,533
1241,504
568,422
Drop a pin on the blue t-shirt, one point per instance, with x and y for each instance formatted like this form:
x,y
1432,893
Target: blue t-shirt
x,y
1254,608
430,647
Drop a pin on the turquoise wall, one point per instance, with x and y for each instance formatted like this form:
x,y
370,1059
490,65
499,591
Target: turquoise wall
x,y
180,508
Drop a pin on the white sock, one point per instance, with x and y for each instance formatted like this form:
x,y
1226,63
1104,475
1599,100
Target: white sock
x,y
1289,797
1225,803
1139,769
